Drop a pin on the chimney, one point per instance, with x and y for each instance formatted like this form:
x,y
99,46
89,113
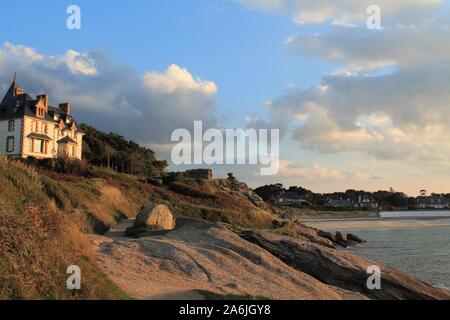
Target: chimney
x,y
44,98
65,107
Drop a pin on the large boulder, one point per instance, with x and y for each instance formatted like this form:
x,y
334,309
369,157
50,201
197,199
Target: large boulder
x,y
202,174
155,217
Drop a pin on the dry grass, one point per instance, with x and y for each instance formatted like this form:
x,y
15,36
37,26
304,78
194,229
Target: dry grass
x,y
38,242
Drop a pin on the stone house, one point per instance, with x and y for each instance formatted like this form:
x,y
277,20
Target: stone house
x,y
32,128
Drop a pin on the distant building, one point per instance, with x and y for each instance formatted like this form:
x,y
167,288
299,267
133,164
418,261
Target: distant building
x,y
286,198
433,202
32,128
341,203
368,202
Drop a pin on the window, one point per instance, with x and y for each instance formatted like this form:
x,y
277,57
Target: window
x,y
10,144
38,146
35,126
11,125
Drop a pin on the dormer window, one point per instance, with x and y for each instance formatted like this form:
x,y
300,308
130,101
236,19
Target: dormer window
x,y
40,112
11,125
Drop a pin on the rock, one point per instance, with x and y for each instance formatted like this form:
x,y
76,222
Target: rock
x,y
155,217
231,176
211,257
287,216
155,182
342,269
326,235
355,238
344,241
340,237
242,190
276,224
202,174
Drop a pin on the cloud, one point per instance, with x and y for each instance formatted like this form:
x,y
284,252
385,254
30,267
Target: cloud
x,y
401,116
389,99
318,172
361,50
112,96
177,79
346,12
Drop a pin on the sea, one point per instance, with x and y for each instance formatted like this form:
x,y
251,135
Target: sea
x,y
422,252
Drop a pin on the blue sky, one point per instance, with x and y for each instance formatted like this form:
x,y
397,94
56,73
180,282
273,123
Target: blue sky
x,y
240,49
359,108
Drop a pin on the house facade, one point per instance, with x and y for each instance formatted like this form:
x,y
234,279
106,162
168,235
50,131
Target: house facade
x,y
31,128
340,203
368,202
433,202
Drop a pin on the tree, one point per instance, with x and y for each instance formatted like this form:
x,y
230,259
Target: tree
x,y
115,152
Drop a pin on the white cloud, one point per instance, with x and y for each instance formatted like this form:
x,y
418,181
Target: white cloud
x,y
177,79
288,169
110,95
360,50
345,12
389,99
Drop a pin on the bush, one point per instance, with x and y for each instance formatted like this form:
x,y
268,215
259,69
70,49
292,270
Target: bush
x,y
73,167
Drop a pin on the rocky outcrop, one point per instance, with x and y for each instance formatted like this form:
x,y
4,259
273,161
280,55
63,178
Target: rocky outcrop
x,y
242,190
155,217
355,238
326,235
340,239
201,174
204,256
343,269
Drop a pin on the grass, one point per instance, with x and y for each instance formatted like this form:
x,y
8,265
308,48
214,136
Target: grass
x,y
39,241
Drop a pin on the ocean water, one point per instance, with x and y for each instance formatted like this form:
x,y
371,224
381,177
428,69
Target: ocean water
x,y
421,252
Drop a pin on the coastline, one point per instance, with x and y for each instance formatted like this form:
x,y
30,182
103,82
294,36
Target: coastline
x,y
375,223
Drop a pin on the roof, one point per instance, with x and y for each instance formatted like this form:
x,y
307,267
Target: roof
x,y
10,94
17,106
67,140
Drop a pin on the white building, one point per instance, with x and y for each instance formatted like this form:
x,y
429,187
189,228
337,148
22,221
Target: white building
x,y
32,128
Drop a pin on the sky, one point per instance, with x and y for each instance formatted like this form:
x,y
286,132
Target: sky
x,y
357,108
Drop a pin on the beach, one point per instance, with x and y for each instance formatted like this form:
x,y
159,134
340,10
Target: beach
x,y
333,225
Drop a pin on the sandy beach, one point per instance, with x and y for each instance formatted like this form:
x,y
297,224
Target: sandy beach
x,y
376,223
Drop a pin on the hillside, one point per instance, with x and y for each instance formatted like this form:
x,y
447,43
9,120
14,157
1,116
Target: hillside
x,y
44,217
